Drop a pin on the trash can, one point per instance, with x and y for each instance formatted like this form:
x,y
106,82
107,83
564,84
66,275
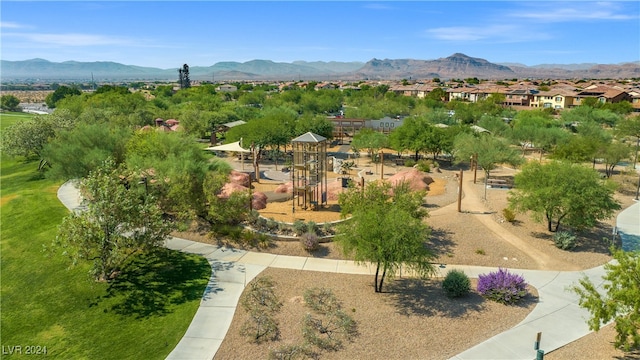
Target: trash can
x,y
345,182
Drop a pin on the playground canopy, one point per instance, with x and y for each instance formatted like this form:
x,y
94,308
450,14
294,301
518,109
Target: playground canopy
x,y
235,147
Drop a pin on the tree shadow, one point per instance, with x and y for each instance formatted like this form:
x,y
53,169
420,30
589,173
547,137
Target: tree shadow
x,y
632,355
426,298
594,240
150,284
441,241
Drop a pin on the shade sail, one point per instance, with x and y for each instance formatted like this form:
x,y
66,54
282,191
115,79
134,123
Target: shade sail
x,y
235,146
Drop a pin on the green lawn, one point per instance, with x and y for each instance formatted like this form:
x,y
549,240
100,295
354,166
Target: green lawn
x,y
141,315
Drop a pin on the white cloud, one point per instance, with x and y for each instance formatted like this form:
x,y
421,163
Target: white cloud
x,y
11,25
576,11
495,33
72,40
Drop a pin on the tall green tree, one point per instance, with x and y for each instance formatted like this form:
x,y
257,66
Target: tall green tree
x,y
386,229
620,301
174,166
9,102
563,193
612,154
60,93
74,153
29,138
120,221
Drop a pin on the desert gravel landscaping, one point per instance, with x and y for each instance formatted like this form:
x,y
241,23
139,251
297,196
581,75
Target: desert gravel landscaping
x,y
413,319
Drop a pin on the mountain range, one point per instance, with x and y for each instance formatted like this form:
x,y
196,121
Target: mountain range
x,y
459,66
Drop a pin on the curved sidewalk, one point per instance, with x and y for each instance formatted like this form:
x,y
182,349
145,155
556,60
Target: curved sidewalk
x,y
557,314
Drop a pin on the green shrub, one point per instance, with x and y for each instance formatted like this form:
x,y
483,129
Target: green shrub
x,y
424,165
509,215
456,284
312,227
564,240
261,223
480,252
253,217
327,228
299,227
409,162
272,225
309,241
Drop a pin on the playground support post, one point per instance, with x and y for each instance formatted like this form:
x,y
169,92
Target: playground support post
x,y
460,193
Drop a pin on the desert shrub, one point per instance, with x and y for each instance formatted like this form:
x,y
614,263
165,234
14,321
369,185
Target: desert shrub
x,y
263,240
299,227
272,224
253,216
260,327
261,295
564,240
502,286
321,300
409,162
309,241
261,223
312,227
291,352
327,228
423,165
480,252
232,232
509,215
261,302
329,331
456,284
248,237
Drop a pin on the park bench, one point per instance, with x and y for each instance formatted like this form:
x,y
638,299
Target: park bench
x,y
498,184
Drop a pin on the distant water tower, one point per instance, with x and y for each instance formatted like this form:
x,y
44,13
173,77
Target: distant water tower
x,y
183,75
309,175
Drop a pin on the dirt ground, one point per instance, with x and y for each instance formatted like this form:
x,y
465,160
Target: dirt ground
x,y
477,235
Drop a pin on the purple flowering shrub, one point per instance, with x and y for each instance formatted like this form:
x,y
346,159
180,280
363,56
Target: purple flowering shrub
x,y
502,286
309,241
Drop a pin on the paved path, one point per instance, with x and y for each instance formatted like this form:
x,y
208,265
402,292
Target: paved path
x,y
556,315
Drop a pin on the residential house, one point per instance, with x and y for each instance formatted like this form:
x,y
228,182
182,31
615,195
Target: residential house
x,y
519,97
604,94
635,99
555,99
227,88
415,90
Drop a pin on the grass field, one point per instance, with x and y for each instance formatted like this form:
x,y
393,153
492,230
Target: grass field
x,y
45,303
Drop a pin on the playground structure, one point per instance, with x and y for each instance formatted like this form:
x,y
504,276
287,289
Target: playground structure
x,y
309,171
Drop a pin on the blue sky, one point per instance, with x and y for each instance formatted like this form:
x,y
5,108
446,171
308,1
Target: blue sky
x,y
168,34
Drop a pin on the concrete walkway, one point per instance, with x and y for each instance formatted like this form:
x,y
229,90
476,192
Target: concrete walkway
x,y
557,314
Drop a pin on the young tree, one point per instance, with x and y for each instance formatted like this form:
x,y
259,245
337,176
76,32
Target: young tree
x,y
631,127
491,152
385,229
620,301
120,221
612,154
370,140
563,193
